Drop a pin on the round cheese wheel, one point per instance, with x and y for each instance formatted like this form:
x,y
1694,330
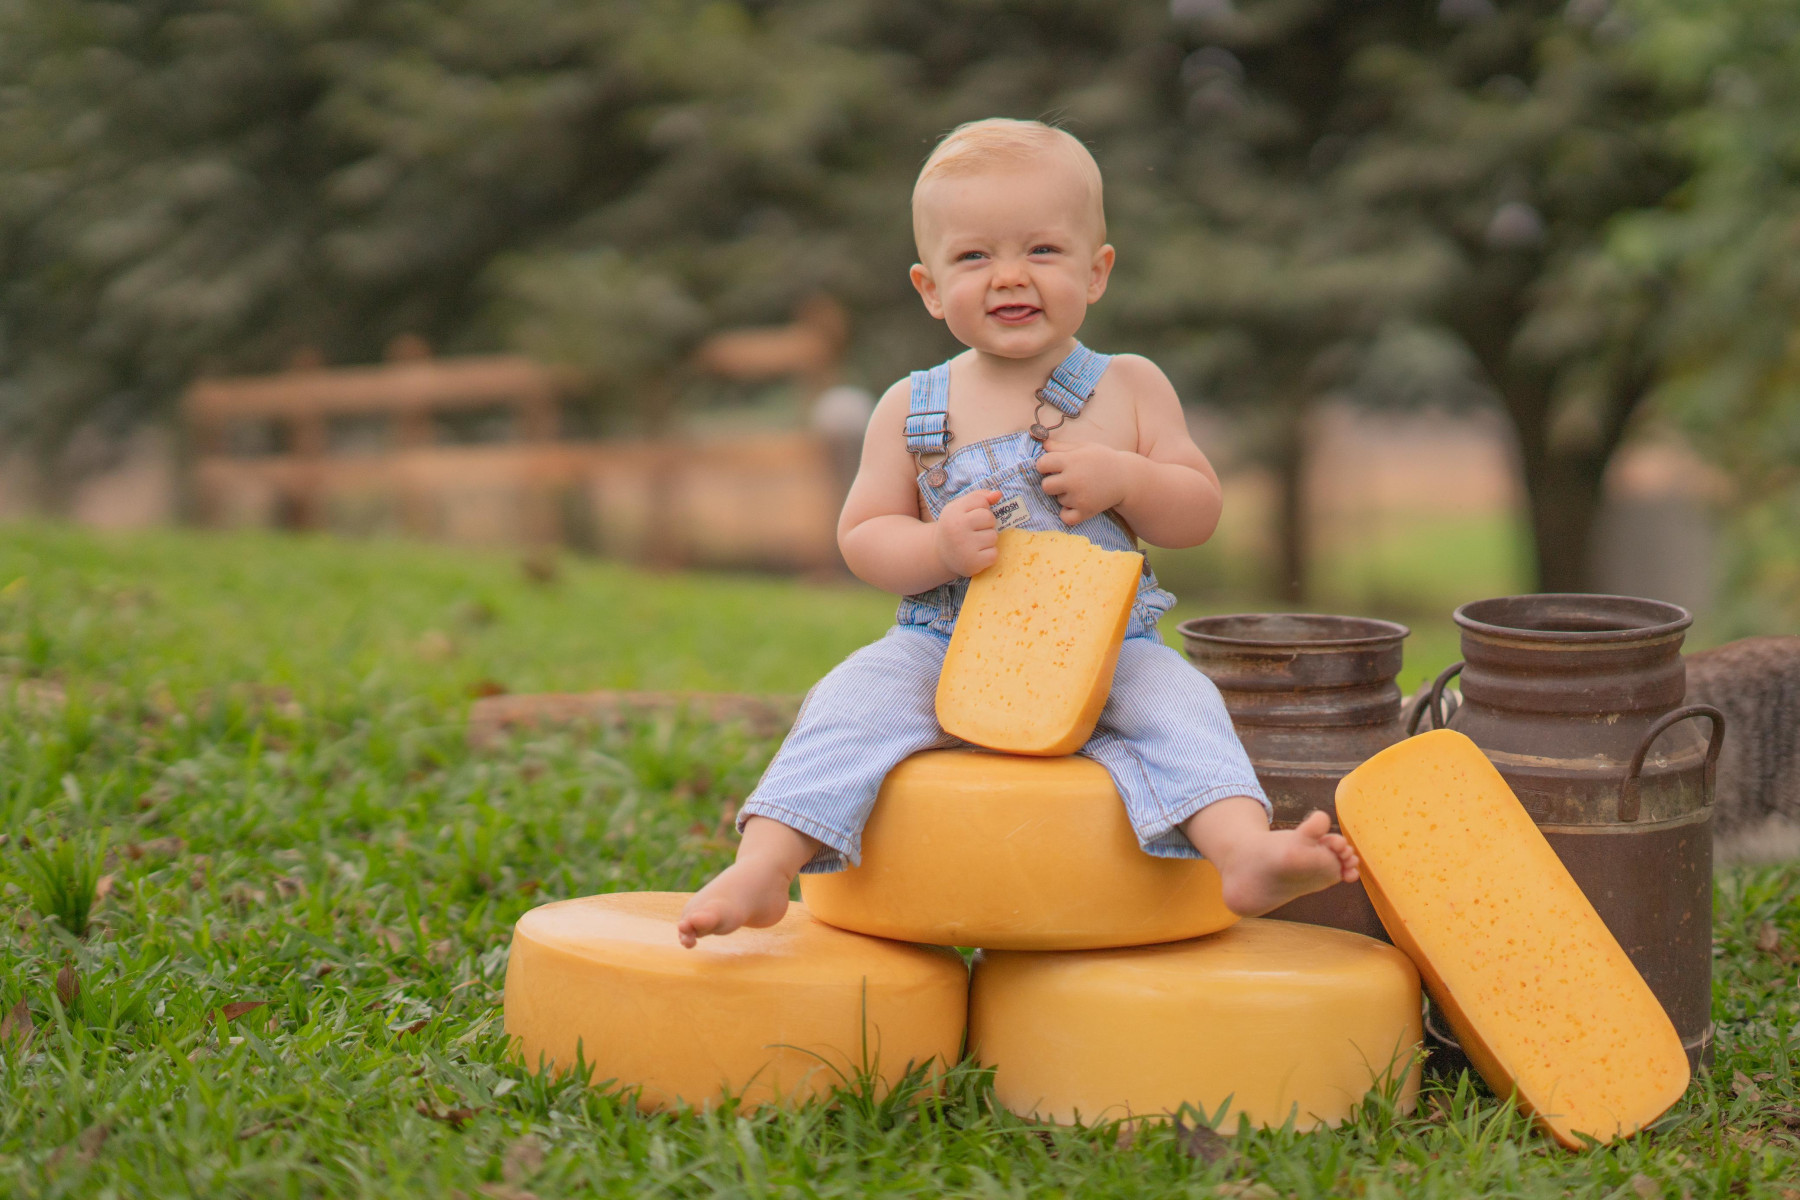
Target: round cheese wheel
x,y
968,848
1272,1018
768,1015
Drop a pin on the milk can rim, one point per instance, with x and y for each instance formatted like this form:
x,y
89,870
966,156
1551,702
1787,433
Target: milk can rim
x,y
1394,632
1678,619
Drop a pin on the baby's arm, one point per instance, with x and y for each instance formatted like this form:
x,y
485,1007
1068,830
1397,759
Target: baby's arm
x,y
880,533
1166,490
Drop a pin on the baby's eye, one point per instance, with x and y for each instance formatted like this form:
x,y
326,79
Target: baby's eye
x,y
970,256
1044,249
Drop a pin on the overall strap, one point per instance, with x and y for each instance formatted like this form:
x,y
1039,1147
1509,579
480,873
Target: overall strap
x,y
928,416
1072,383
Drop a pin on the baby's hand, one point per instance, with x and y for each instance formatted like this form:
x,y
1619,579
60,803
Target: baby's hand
x,y
967,534
1086,478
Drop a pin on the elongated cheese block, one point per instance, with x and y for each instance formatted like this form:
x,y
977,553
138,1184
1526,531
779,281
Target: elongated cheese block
x,y
968,848
768,1015
1270,1020
1032,658
1545,1003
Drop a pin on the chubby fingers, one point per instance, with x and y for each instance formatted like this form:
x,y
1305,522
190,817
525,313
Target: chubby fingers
x,y
977,501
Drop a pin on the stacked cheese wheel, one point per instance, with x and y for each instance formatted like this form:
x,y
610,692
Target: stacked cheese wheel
x,y
1108,984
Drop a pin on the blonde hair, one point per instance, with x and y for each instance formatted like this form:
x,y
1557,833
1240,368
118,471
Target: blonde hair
x,y
978,146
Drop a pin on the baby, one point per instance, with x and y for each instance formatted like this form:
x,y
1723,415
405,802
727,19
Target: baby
x,y
1027,428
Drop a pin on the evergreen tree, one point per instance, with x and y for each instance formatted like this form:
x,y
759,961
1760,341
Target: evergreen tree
x,y
1361,164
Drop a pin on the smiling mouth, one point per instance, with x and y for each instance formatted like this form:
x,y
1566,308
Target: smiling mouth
x,y
1014,314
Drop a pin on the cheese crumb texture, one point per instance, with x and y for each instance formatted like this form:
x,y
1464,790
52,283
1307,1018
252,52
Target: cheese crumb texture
x,y
770,1015
1537,989
1274,1019
968,848
1031,661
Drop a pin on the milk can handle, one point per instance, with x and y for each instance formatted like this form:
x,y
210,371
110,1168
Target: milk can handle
x,y
1629,798
1435,701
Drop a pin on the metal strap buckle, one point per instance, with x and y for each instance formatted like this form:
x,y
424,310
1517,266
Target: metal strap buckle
x,y
935,475
1040,432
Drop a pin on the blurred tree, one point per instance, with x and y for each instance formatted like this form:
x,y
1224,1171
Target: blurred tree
x,y
1731,239
1356,165
190,187
204,185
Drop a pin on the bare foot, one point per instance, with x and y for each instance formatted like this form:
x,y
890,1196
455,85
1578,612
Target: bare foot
x,y
1266,872
742,894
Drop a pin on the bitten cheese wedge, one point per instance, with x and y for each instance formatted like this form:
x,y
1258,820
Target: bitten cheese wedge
x,y
1270,1019
1032,658
769,1015
967,848
1545,1003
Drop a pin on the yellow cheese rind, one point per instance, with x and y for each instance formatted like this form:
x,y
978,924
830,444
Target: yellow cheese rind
x,y
1545,1003
968,848
1274,1019
769,1015
1032,657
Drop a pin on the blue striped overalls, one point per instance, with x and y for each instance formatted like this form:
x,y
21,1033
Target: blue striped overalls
x,y
1164,735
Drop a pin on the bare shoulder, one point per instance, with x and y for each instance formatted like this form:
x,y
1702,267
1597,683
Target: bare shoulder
x,y
1161,425
1136,370
890,410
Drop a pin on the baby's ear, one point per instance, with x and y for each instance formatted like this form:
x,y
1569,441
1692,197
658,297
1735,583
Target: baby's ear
x,y
1100,272
926,286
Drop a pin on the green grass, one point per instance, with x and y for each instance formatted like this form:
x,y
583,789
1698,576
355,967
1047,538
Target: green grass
x,y
267,734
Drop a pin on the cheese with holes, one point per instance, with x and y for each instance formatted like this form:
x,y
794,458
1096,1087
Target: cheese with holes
x,y
768,1015
1032,657
1269,1020
1543,1000
968,848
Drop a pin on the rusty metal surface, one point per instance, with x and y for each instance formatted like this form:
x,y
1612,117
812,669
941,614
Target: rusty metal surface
x,y
1576,700
1311,696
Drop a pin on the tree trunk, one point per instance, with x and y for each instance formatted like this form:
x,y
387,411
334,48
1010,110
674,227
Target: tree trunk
x,y
1289,460
1564,487
1564,497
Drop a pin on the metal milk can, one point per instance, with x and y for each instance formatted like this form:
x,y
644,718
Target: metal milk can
x,y
1577,700
1311,697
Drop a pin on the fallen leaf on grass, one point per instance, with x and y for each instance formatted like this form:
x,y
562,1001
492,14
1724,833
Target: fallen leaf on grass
x,y
238,1008
1202,1141
87,1145
16,1026
103,887
1768,938
242,895
523,1159
1742,1088
68,986
456,1118
387,937
1645,1186
262,1127
413,1028
441,950
288,886
1243,1189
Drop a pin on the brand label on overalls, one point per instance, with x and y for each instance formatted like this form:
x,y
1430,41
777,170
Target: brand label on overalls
x,y
1011,514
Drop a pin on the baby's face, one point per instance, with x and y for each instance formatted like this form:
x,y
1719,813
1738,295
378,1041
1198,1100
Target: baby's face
x,y
1011,258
